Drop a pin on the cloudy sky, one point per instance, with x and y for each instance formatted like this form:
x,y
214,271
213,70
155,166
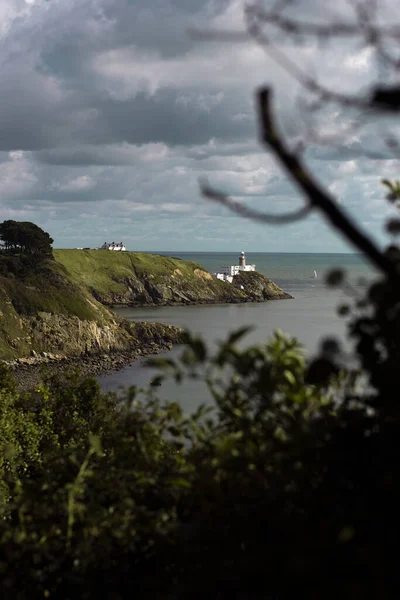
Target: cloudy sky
x,y
110,112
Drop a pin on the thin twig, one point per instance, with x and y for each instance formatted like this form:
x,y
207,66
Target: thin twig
x,y
315,194
244,211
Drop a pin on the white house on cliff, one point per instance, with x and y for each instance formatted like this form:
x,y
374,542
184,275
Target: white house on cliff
x,y
228,272
113,246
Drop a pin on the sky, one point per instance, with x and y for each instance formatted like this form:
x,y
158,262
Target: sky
x,y
110,112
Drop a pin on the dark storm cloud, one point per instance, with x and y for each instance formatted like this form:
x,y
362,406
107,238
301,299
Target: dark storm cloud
x,y
161,118
52,97
118,112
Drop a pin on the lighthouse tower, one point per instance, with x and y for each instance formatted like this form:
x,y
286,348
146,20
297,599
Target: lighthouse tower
x,y
242,260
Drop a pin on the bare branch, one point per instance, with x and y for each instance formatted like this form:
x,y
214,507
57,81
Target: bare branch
x,y
334,29
380,99
289,25
244,211
307,82
315,194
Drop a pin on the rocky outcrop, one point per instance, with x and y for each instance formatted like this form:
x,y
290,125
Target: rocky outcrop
x,y
53,337
202,288
258,287
71,336
63,342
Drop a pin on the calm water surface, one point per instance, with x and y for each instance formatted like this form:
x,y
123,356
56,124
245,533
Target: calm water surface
x,y
309,316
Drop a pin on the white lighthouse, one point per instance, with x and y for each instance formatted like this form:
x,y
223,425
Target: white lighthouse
x,y
228,272
242,263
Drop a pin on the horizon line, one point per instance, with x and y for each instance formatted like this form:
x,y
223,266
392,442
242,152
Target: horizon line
x,y
220,251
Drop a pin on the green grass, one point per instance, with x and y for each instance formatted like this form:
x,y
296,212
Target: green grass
x,y
49,288
11,329
105,271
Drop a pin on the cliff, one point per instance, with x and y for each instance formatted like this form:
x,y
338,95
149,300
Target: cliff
x,y
134,279
60,308
46,315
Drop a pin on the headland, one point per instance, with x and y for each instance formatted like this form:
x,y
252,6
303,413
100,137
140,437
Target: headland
x,y
61,313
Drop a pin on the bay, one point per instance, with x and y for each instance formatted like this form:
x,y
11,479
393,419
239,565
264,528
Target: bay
x,y
310,316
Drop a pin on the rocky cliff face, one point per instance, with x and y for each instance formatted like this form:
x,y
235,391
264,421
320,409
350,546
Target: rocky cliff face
x,y
48,337
46,315
199,288
70,336
258,288
175,289
58,343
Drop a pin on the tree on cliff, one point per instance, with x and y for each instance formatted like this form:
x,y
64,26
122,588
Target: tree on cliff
x,y
25,238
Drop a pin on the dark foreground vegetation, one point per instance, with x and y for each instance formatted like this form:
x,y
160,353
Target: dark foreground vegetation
x,y
290,486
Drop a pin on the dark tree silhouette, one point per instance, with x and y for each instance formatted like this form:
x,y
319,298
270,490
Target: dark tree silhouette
x,y
25,238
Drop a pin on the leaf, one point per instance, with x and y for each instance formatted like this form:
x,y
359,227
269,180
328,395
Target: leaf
x,y
95,444
346,534
320,371
343,310
290,378
330,346
239,333
335,277
180,482
157,381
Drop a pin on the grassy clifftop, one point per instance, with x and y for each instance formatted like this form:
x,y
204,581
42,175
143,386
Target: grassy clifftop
x,y
106,272
135,278
50,288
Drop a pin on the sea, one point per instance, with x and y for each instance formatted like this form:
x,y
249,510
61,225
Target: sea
x,y
310,316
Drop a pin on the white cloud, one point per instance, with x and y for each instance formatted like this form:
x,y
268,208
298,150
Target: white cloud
x,y
17,177
360,61
129,71
79,184
175,207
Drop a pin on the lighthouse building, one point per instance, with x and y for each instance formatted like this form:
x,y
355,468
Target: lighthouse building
x,y
228,272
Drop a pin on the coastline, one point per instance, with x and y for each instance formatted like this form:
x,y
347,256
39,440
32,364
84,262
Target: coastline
x,y
283,296
29,372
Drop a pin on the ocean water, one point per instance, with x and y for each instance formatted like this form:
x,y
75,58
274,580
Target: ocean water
x,y
310,316
290,271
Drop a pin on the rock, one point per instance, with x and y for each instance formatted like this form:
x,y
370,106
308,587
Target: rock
x,y
258,287
203,274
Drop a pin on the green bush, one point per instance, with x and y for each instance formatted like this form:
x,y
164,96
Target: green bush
x,y
132,497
